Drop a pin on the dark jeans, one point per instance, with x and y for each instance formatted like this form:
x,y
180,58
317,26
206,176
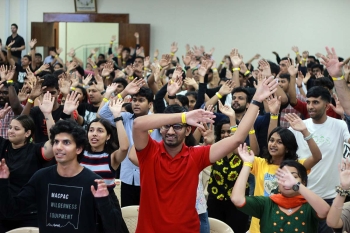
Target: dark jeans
x,y
322,224
130,194
227,212
204,221
7,225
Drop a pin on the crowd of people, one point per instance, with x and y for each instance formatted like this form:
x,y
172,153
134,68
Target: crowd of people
x,y
273,136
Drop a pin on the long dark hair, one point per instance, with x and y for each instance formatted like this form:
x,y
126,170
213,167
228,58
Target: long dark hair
x,y
218,128
288,140
28,124
112,143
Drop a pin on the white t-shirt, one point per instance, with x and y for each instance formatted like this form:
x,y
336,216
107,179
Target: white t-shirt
x,y
330,137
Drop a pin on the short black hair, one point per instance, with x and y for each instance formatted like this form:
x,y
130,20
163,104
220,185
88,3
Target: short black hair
x,y
324,82
218,128
70,127
52,49
126,49
285,76
101,62
50,81
83,90
145,92
102,55
128,107
57,73
242,89
310,65
28,57
183,100
318,91
275,69
15,25
312,57
192,93
302,173
317,66
27,123
139,57
122,81
38,55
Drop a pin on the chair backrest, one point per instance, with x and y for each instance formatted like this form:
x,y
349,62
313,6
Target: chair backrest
x,y
217,226
117,188
25,230
130,216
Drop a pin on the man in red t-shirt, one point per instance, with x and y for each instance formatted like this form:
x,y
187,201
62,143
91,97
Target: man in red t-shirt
x,y
169,169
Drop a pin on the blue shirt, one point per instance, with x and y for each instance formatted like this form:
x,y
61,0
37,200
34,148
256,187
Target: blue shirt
x,y
128,171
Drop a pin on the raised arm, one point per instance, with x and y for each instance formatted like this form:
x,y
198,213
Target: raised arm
x,y
224,90
297,124
236,60
273,104
225,146
35,92
115,106
9,54
292,70
286,178
13,98
32,44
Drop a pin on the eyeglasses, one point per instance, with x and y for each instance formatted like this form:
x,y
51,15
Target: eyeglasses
x,y
176,127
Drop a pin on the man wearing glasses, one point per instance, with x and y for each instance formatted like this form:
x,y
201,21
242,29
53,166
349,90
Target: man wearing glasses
x,y
169,169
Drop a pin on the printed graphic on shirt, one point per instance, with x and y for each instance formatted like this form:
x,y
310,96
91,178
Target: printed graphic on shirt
x,y
63,205
270,184
21,76
346,150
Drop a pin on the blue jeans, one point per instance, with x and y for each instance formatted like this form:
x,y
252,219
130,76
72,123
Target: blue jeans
x,y
204,221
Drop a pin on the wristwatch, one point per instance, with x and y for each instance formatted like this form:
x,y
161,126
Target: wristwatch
x,y
296,186
118,119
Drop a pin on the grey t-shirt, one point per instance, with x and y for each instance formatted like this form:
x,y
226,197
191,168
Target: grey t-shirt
x,y
345,217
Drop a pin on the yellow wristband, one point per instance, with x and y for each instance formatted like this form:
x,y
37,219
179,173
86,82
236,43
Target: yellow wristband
x,y
215,69
120,96
105,100
9,81
123,62
252,131
236,69
297,53
155,59
150,131
218,95
111,42
94,67
131,78
145,69
119,56
30,101
8,48
304,59
107,77
274,117
247,72
222,63
56,56
183,118
233,129
248,164
172,54
337,79
72,88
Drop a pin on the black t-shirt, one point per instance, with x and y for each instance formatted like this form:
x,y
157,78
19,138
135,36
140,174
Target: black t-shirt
x,y
65,204
23,163
19,41
40,122
88,112
22,74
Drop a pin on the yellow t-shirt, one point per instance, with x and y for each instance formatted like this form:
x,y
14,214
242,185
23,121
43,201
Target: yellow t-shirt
x,y
265,183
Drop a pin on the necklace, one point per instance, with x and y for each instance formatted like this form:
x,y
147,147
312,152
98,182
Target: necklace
x,y
290,210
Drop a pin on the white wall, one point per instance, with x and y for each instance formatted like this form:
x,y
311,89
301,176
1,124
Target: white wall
x,y
252,26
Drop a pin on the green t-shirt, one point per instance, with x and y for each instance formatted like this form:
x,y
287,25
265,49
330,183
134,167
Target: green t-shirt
x,y
272,219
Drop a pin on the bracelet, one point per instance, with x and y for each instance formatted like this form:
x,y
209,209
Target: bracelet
x,y
233,128
94,67
337,79
248,164
183,118
119,56
56,56
274,117
145,68
252,131
297,53
172,97
30,101
111,42
155,59
246,73
72,88
107,77
218,95
172,54
64,116
342,192
118,119
131,78
304,59
214,69
309,137
9,81
8,48
123,62
120,96
86,87
150,131
105,100
222,62
257,103
236,69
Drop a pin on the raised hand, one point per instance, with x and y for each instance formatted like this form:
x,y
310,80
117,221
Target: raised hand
x,y
202,70
332,63
165,61
3,72
156,53
47,103
292,69
227,87
115,106
344,174
136,34
44,67
190,81
295,49
5,109
210,53
37,88
59,51
73,65
264,67
199,115
299,80
208,134
146,62
113,38
178,72
274,104
346,69
194,62
64,84
266,88
173,47
140,52
4,170
295,122
99,85
338,108
108,69
111,88
227,110
10,73
71,103
244,154
32,43
285,178
101,191
22,94
119,74
71,52
133,87
186,60
174,85
10,44
87,80
256,56
235,58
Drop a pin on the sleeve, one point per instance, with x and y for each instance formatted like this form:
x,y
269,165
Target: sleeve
x,y
39,152
10,206
108,211
147,151
345,217
201,155
21,41
254,206
345,131
301,107
256,165
158,103
34,111
81,109
202,88
106,114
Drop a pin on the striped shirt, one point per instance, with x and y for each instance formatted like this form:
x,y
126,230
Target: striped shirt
x,y
100,163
